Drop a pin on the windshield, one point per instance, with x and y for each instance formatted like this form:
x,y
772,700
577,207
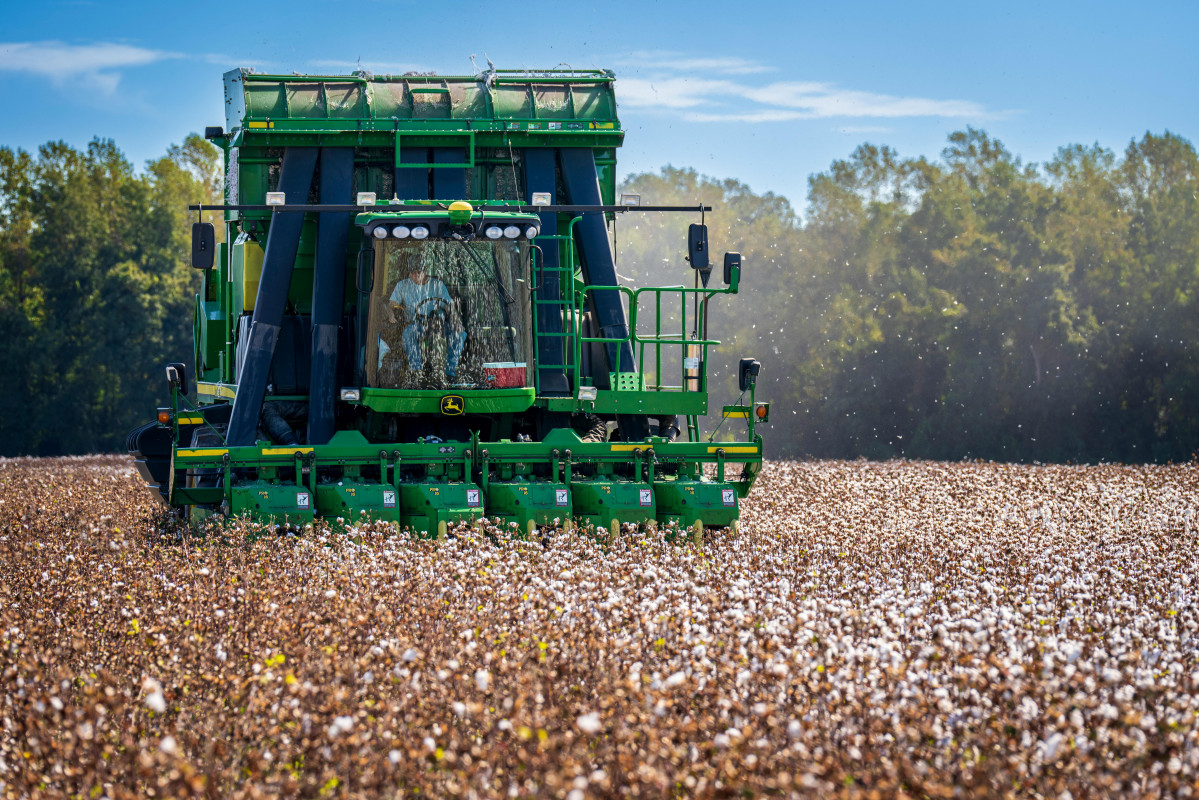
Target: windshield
x,y
449,315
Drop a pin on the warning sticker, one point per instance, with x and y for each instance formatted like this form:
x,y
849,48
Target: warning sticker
x,y
647,498
472,497
303,501
561,497
729,496
389,499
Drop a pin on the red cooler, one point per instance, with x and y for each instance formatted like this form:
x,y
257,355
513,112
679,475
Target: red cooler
x,y
504,374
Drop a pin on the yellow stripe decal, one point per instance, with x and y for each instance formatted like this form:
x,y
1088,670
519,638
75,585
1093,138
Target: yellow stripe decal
x,y
736,415
626,448
216,389
191,420
285,451
729,450
196,453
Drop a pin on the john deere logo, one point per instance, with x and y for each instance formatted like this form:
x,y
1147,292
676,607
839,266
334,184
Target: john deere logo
x,y
452,405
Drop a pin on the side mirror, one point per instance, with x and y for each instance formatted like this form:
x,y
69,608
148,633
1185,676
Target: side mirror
x,y
747,373
732,269
177,374
365,280
697,246
203,245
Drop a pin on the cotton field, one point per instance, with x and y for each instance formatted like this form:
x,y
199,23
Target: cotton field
x,y
875,630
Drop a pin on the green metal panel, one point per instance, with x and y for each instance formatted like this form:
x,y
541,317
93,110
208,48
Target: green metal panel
x,y
266,500
476,401
653,403
523,502
680,499
351,499
575,100
685,501
601,501
428,505
210,340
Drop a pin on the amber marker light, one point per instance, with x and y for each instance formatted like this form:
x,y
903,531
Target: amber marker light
x,y
164,417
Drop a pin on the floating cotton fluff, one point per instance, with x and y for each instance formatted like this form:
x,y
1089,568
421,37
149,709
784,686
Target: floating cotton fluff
x,y
340,725
588,723
154,698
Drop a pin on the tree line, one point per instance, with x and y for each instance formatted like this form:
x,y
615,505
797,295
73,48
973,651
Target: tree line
x,y
968,307
95,291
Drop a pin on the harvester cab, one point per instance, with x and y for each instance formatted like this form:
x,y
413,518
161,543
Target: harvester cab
x,y
449,300
415,316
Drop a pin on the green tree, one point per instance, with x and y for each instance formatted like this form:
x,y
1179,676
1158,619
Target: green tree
x,y
651,249
95,293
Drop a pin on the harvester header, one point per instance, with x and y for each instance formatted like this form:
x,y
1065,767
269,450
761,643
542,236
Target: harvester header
x,y
415,315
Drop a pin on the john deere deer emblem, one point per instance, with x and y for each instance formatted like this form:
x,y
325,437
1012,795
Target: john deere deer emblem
x,y
452,405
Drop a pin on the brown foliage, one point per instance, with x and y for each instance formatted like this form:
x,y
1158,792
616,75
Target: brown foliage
x,y
895,629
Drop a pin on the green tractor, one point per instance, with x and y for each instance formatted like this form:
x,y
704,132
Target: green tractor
x,y
415,316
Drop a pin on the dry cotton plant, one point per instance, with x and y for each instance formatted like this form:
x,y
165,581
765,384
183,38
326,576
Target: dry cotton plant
x,y
877,630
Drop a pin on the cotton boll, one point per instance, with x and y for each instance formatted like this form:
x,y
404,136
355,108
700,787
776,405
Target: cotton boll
x,y
588,723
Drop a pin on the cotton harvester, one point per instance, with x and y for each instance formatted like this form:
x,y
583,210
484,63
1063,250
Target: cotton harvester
x,y
415,315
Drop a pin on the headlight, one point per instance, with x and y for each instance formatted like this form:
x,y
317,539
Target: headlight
x,y
531,231
380,232
511,231
493,232
420,232
400,231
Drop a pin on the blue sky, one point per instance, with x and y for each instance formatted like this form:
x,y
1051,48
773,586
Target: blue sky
x,y
768,93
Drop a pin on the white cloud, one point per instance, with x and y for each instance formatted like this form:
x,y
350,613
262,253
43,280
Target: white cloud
x,y
97,66
671,92
671,60
827,100
717,100
766,115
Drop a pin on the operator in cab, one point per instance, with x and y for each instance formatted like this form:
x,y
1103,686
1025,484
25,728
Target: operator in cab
x,y
424,302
